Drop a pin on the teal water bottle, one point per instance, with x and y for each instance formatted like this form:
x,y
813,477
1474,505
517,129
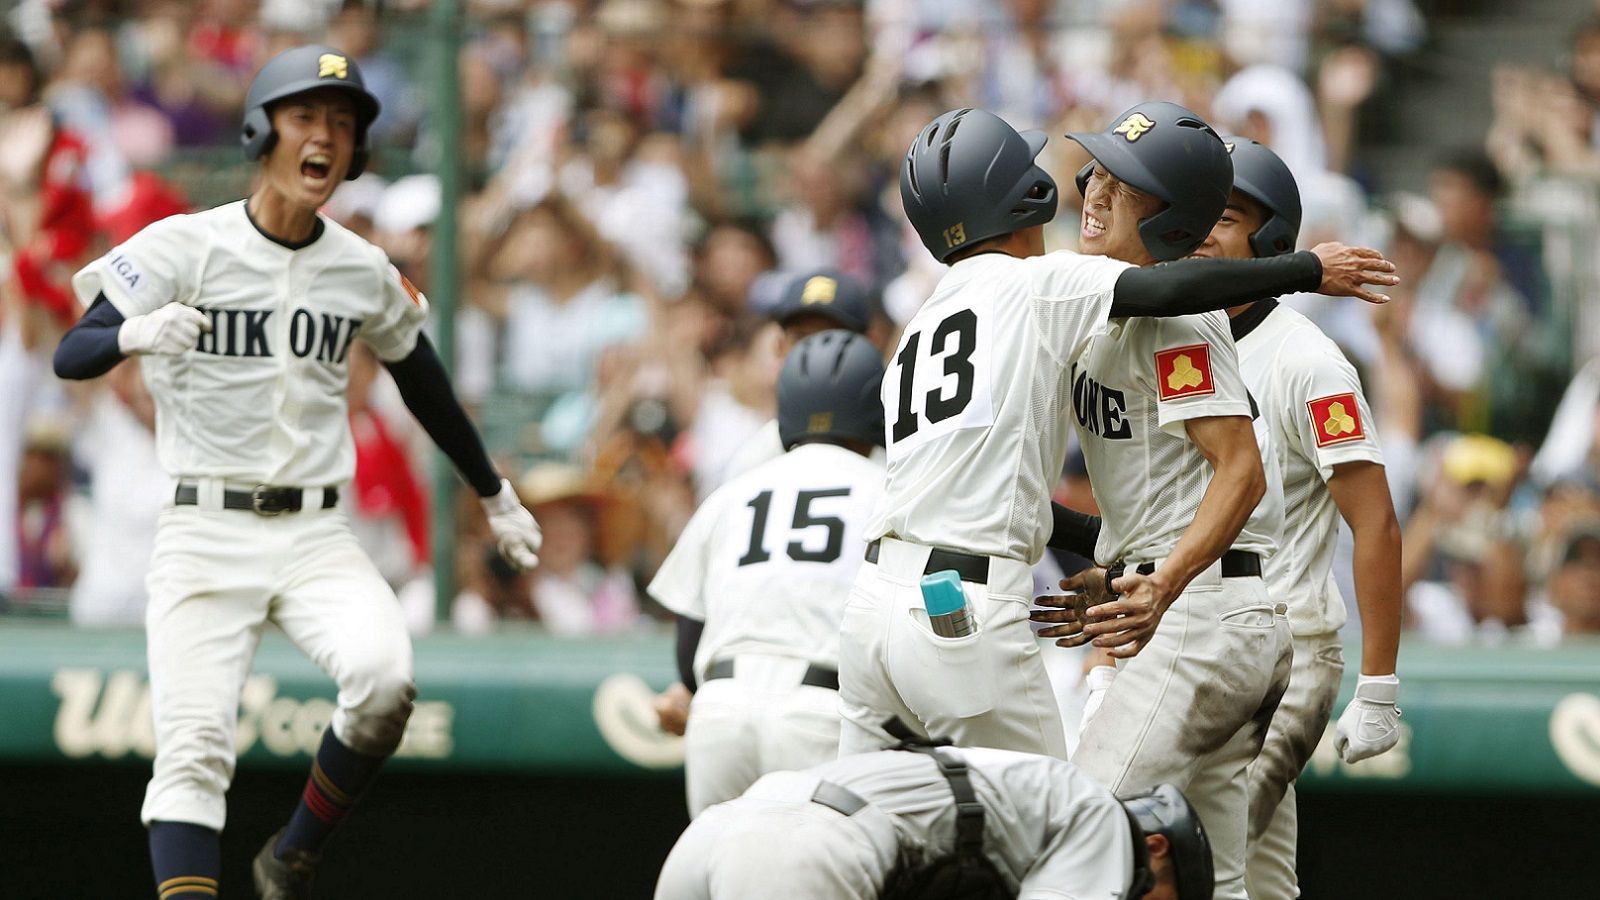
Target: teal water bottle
x,y
946,605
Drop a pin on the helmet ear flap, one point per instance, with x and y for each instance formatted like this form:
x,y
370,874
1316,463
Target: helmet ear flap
x,y
256,135
1274,238
1083,178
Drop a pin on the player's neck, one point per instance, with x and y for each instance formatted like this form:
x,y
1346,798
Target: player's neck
x,y
280,218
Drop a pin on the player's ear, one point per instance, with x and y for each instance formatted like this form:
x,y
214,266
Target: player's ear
x,y
1158,845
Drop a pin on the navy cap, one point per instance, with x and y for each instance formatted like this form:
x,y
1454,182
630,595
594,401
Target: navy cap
x,y
828,293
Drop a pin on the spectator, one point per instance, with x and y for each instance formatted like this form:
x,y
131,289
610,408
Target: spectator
x,y
44,543
563,305
127,489
1573,589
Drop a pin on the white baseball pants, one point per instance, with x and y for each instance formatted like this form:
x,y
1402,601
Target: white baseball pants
x,y
216,578
1192,710
775,844
1297,727
988,689
761,720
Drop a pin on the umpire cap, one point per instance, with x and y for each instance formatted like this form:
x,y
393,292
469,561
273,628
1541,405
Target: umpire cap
x,y
1165,811
827,293
295,71
969,176
829,390
1259,174
1173,155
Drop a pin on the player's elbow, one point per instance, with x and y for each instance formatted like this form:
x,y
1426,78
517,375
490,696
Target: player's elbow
x,y
69,364
1246,472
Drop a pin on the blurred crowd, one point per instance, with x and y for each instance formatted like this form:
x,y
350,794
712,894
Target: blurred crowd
x,y
643,177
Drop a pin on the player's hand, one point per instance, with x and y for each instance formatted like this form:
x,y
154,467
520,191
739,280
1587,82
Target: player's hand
x,y
1371,723
1124,626
516,534
169,331
1345,271
672,709
1066,615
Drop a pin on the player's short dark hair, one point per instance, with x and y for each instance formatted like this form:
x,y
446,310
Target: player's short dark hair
x,y
14,52
1475,166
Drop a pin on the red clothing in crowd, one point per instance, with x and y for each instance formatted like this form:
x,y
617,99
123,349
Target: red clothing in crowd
x,y
66,224
384,483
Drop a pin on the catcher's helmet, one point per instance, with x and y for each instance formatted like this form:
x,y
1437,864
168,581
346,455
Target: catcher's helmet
x,y
1165,811
295,71
969,176
1173,155
829,390
1259,174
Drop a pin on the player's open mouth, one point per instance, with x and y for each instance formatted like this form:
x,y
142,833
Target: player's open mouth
x,y
1092,227
316,166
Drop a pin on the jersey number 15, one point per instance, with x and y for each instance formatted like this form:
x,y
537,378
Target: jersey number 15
x,y
803,519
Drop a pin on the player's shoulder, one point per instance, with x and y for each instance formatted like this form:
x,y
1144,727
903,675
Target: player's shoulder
x,y
347,241
188,230
1300,347
1066,273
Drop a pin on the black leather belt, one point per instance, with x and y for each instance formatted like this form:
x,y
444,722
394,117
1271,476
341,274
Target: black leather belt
x,y
263,501
839,799
967,566
816,676
1235,564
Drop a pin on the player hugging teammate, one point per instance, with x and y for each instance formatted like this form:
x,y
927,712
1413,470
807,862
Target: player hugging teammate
x,y
1126,342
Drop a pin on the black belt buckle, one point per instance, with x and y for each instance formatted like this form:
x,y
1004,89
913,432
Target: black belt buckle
x,y
270,501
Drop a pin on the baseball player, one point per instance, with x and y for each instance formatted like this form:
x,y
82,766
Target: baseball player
x,y
1331,467
973,398
759,577
1174,454
244,316
811,302
931,822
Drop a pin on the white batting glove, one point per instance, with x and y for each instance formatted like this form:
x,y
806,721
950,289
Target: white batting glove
x,y
1371,723
1098,681
516,534
168,331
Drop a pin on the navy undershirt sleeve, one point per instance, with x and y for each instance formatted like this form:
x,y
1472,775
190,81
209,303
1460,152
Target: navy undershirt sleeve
x,y
89,349
1073,531
689,631
1188,286
425,387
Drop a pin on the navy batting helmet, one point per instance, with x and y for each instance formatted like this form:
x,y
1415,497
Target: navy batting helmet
x,y
1165,811
295,71
1173,155
1259,174
829,390
969,176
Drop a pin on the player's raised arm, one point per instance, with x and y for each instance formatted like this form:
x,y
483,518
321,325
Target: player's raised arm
x,y
1187,286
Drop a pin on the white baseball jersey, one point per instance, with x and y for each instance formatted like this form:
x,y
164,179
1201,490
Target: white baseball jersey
x,y
1132,391
1048,827
1312,400
261,398
973,396
768,559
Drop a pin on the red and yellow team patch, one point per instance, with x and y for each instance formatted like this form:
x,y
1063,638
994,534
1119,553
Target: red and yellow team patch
x,y
1336,419
1184,372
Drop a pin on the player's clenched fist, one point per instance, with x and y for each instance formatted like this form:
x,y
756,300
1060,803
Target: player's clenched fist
x,y
168,331
1371,723
516,534
1347,270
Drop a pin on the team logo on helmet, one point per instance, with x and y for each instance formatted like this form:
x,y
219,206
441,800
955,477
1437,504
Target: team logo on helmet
x,y
820,423
1134,127
819,289
333,64
1229,146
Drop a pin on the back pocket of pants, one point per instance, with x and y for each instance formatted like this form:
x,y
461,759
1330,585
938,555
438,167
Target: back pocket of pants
x,y
940,676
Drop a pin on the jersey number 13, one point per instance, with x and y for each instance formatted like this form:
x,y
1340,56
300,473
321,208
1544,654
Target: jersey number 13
x,y
938,373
